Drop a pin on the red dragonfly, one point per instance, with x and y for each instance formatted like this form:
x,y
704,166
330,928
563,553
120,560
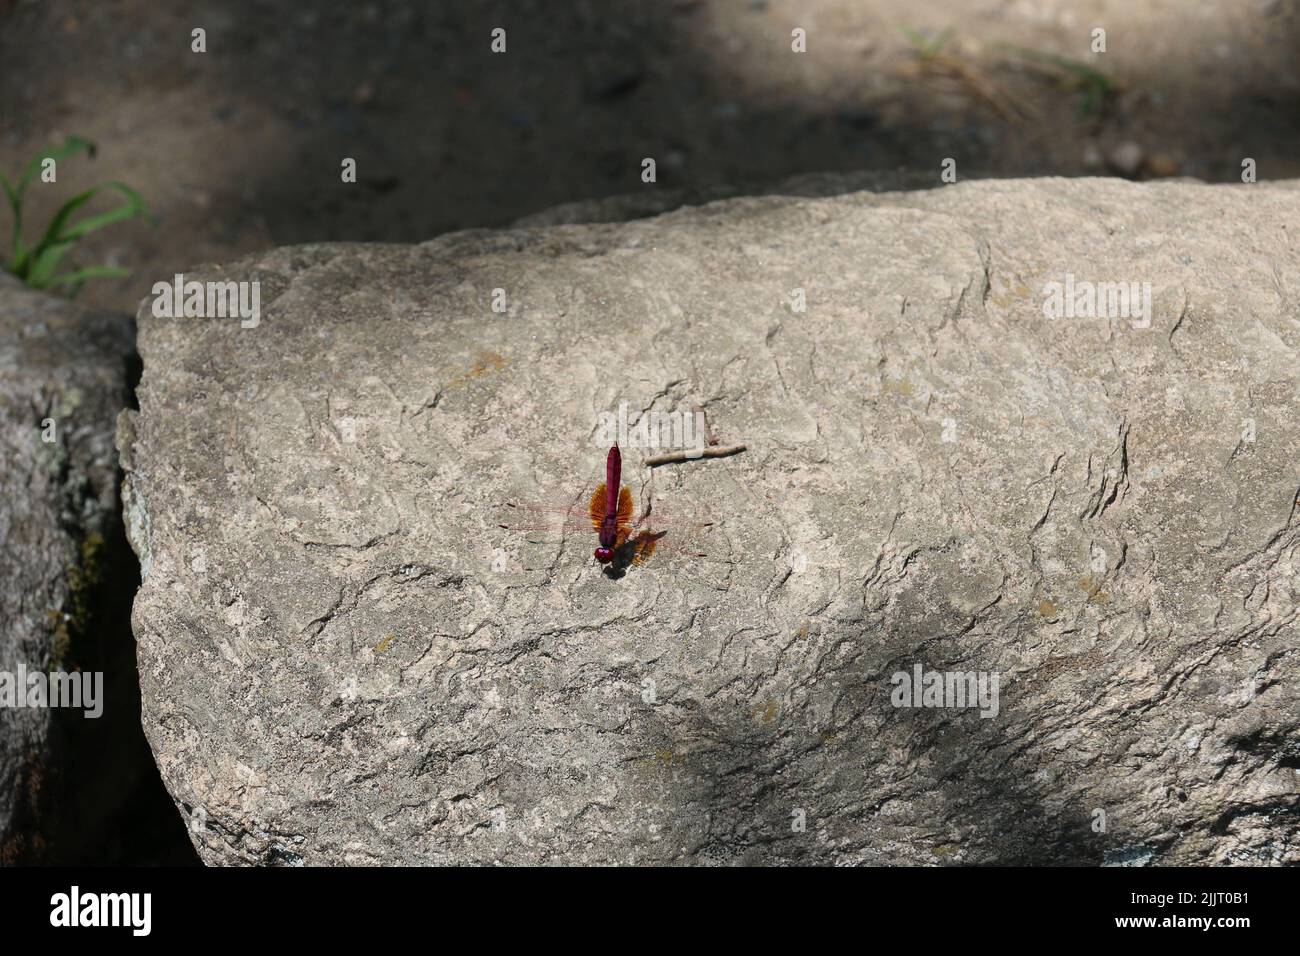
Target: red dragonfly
x,y
622,540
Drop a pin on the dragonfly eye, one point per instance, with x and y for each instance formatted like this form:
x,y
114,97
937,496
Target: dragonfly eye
x,y
604,555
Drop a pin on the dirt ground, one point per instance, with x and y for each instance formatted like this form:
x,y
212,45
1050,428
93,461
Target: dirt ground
x,y
239,148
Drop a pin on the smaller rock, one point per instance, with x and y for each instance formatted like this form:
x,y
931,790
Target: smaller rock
x,y
1126,159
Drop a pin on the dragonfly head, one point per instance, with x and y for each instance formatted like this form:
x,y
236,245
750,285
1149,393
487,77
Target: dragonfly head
x,y
604,555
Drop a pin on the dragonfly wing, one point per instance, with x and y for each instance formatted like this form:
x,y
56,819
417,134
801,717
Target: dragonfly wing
x,y
643,545
596,507
638,537
548,517
549,525
624,514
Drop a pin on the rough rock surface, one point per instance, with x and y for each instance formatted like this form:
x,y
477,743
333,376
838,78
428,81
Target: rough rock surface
x,y
63,377
345,659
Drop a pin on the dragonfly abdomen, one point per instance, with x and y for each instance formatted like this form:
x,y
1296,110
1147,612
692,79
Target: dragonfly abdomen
x,y
609,531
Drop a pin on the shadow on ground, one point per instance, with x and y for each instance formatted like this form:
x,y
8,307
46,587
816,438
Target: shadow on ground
x,y
239,149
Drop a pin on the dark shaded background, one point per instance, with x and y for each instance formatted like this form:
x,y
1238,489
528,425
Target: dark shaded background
x,y
239,149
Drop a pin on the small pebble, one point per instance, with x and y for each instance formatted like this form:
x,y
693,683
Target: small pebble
x,y
1126,158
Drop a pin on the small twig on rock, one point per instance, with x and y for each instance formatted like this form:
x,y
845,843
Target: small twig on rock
x,y
676,457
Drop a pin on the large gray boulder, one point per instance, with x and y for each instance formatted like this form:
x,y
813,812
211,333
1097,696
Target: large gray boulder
x,y
345,658
64,375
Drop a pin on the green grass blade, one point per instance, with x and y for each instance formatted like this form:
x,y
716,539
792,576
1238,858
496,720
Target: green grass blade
x,y
928,47
133,207
37,265
43,263
56,230
1077,67
90,272
71,146
53,230
914,37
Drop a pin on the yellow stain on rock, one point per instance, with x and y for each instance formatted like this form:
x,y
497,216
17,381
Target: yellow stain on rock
x,y
897,386
485,363
665,756
1014,292
1095,593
